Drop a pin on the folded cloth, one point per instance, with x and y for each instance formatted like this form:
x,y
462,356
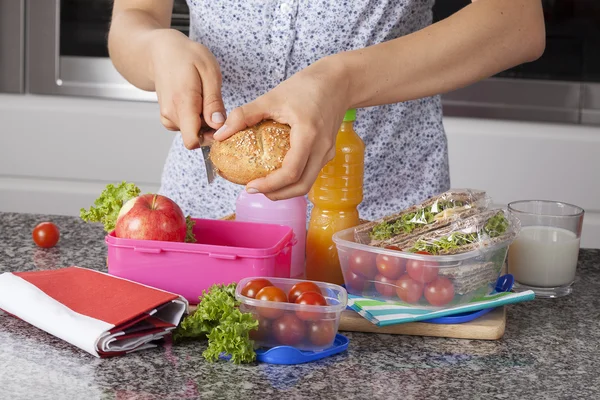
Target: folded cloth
x,y
99,313
384,313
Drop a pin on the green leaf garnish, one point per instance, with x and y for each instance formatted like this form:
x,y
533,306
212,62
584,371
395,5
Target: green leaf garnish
x,y
189,236
106,207
494,227
219,319
408,222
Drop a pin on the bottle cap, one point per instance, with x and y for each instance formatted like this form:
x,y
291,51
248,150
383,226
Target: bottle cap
x,y
350,115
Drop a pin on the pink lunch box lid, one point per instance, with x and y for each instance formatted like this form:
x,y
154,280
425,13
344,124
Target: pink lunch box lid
x,y
252,240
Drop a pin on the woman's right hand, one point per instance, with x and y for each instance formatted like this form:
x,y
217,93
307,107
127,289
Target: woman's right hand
x,y
187,80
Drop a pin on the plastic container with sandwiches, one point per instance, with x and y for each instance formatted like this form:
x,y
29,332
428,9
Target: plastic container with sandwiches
x,y
450,266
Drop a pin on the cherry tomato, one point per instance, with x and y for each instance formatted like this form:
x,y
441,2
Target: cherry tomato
x,y
389,266
439,292
422,271
288,329
251,288
302,287
310,299
363,263
263,332
321,333
392,247
271,293
408,289
355,283
385,286
46,235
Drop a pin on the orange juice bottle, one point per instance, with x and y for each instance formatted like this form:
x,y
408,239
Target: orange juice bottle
x,y
336,194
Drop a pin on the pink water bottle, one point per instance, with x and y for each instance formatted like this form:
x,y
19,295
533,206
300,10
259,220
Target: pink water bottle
x,y
290,212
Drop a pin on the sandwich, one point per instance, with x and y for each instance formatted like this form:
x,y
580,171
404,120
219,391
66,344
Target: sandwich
x,y
469,278
486,228
434,213
251,153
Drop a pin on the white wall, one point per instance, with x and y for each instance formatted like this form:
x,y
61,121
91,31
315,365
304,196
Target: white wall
x,y
519,160
58,153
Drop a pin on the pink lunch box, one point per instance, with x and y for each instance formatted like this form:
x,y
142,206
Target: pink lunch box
x,y
225,252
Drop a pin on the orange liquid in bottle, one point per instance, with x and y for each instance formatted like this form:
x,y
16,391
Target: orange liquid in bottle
x,y
336,194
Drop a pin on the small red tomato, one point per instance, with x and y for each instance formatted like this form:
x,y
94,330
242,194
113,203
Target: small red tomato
x,y
439,292
422,271
251,288
363,263
46,235
408,289
263,332
274,294
321,333
288,330
302,287
389,266
385,286
310,299
355,283
392,247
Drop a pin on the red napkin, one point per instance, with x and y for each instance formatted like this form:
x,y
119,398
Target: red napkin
x,y
99,313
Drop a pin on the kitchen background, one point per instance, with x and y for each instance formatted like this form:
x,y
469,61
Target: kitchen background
x,y
71,124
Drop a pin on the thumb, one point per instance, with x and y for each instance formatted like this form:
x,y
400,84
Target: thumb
x,y
242,117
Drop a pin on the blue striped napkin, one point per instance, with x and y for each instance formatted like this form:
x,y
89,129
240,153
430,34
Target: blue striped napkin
x,y
384,313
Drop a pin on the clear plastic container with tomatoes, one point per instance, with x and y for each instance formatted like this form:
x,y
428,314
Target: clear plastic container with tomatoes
x,y
292,312
418,278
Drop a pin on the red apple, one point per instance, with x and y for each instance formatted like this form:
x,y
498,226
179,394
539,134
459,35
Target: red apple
x,y
151,217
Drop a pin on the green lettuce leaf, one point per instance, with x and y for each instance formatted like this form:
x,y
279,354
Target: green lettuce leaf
x,y
219,319
494,227
106,207
189,236
408,222
230,337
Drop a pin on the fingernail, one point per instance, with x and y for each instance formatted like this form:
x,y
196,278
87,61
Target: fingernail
x,y
251,190
220,131
217,118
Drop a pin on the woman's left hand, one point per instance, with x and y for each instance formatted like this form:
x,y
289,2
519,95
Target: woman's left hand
x,y
313,102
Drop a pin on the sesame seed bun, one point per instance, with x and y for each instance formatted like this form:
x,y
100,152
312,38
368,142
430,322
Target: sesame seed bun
x,y
252,153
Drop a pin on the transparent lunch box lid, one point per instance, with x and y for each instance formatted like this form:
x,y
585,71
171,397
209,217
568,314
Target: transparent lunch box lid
x,y
345,238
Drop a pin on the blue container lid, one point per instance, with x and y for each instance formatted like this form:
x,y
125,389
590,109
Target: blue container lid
x,y
288,355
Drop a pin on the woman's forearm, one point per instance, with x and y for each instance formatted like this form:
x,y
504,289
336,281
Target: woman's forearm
x,y
130,40
484,38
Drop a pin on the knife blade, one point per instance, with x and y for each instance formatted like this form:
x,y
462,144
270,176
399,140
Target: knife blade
x,y
205,138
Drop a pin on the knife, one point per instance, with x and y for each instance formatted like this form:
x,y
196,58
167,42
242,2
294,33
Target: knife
x,y
205,138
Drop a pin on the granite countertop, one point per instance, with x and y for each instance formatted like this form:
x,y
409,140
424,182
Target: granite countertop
x,y
550,349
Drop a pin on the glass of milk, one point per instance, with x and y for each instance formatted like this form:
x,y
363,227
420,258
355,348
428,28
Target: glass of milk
x,y
544,255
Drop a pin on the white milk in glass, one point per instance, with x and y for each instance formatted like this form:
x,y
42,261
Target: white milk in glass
x,y
543,256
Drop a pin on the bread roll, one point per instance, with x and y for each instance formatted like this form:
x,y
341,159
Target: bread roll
x,y
252,153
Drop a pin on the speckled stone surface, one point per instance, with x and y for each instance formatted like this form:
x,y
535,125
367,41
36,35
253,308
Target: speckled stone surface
x,y
551,349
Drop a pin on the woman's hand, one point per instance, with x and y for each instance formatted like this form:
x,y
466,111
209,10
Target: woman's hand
x,y
187,80
313,102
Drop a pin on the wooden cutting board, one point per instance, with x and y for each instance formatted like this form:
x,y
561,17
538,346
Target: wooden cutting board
x,y
491,326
